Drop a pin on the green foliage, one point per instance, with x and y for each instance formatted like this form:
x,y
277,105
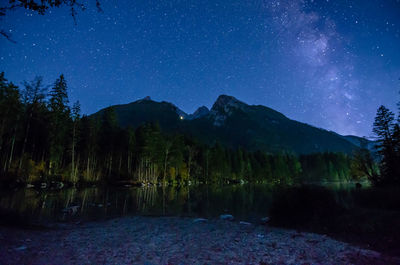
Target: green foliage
x,y
363,165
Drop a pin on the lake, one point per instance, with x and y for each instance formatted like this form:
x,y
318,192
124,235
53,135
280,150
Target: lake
x,y
247,202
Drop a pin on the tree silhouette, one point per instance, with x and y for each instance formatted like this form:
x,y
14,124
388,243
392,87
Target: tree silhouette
x,y
41,7
388,147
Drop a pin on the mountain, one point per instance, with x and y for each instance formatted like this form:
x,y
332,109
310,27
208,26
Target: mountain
x,y
146,110
234,123
361,142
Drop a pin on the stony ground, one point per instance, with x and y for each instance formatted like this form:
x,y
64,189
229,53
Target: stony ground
x,y
145,240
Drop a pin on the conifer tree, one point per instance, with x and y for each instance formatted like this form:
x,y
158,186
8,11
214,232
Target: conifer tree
x,y
33,97
59,113
76,109
384,127
10,112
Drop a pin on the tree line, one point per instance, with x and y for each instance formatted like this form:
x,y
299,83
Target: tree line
x,y
43,139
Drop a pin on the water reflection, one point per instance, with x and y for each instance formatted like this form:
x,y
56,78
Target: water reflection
x,y
246,202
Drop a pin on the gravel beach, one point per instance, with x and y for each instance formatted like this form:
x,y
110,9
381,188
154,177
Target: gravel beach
x,y
173,240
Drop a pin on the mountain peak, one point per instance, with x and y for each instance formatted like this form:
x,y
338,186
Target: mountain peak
x,y
224,100
147,98
200,112
224,103
223,107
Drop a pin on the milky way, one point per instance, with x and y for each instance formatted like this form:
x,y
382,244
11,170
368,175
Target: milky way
x,y
312,43
327,63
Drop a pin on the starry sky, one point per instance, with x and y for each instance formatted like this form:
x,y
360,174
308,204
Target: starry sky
x,y
327,63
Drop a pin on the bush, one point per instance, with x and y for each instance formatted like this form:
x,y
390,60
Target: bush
x,y
36,171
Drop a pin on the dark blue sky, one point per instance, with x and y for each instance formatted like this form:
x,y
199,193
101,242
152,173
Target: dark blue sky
x,y
326,63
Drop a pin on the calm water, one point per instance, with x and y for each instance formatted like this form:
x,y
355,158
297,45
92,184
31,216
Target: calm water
x,y
246,202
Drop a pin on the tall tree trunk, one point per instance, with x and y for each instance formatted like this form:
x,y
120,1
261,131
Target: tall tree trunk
x,y
110,165
207,166
25,141
88,167
73,154
165,164
76,170
11,152
120,164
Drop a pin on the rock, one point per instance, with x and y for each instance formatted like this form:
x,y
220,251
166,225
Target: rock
x,y
21,248
30,185
100,205
200,220
71,210
264,220
227,217
244,223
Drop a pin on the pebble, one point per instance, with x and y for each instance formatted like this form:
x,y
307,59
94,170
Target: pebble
x,y
20,248
228,217
177,241
200,220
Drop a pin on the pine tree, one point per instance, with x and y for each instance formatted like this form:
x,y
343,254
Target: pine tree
x,y
76,109
10,112
59,112
384,127
33,97
108,133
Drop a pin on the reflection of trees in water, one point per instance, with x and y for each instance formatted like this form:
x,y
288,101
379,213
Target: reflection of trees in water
x,y
96,203
69,198
31,203
146,198
24,202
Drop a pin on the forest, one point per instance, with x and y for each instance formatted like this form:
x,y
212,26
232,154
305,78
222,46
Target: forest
x,y
44,140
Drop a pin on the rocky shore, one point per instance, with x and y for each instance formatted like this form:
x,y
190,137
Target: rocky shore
x,y
172,240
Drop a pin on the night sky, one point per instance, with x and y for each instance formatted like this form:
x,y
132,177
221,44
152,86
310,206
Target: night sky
x,y
327,63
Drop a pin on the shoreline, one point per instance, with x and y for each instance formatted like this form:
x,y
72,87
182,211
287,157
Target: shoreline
x,y
177,240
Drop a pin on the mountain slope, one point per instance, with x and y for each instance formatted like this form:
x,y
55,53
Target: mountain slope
x,y
147,110
235,124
